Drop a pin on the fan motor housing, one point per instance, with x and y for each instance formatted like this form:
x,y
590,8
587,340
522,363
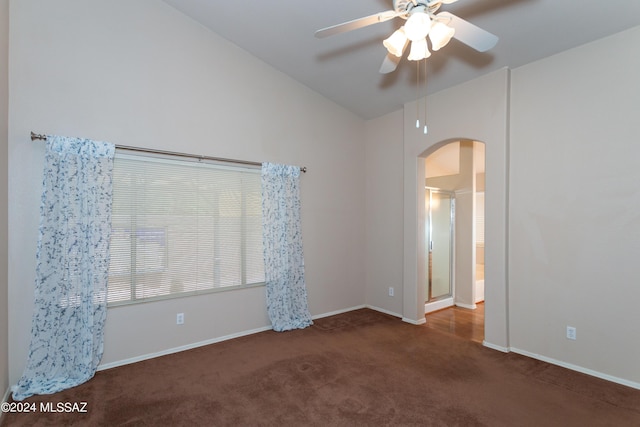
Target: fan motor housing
x,y
406,6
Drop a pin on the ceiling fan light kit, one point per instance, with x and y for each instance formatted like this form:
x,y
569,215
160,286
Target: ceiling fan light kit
x,y
396,42
418,24
422,22
419,50
440,35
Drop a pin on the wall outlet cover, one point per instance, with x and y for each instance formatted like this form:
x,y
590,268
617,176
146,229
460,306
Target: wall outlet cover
x,y
571,333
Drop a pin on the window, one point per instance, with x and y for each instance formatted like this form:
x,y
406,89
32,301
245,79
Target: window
x,y
183,227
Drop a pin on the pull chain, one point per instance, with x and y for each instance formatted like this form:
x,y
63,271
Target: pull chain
x,y
418,87
425,97
424,130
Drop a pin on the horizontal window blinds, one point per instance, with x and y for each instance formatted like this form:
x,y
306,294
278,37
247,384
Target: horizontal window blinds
x,y
183,227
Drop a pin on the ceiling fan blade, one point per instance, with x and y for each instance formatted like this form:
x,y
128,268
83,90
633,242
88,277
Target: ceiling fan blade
x,y
389,64
469,34
357,23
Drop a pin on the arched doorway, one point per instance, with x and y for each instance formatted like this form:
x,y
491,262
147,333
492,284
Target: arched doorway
x,y
477,110
453,261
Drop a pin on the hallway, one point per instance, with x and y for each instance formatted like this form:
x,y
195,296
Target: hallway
x,y
462,322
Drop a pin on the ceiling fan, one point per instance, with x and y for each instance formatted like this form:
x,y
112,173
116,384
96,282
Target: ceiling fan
x,y
422,21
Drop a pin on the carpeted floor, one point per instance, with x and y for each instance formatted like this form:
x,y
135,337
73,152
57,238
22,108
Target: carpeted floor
x,y
361,368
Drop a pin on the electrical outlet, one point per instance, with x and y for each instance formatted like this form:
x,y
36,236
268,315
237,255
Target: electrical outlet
x,y
180,319
391,291
571,333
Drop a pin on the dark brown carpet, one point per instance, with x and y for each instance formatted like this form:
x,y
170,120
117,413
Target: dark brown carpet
x,y
361,368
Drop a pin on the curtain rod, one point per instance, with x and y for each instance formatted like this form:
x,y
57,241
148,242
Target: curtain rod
x,y
303,169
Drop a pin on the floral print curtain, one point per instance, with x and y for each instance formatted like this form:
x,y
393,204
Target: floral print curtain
x,y
283,258
72,264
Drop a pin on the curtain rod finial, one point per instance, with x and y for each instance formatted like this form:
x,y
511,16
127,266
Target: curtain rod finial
x,y
35,136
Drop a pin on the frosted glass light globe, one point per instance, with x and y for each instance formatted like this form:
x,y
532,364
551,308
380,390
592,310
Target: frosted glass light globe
x,y
396,42
417,26
419,50
440,35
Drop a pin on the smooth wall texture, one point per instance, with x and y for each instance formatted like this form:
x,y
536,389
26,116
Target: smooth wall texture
x,y
476,110
574,233
465,256
384,207
142,74
4,176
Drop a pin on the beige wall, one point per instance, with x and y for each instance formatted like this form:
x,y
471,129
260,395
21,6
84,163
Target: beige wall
x,y
574,233
479,113
557,129
393,195
465,255
383,213
142,74
393,223
139,73
4,326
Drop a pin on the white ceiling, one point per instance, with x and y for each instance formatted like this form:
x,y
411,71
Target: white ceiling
x,y
344,67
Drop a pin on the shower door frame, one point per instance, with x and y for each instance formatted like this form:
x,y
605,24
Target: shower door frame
x,y
429,247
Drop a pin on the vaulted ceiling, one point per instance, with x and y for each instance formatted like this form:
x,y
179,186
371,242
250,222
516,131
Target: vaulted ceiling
x,y
344,67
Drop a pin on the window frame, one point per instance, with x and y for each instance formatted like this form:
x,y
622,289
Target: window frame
x,y
195,162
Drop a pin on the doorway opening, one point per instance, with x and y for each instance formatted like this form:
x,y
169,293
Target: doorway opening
x,y
440,228
454,226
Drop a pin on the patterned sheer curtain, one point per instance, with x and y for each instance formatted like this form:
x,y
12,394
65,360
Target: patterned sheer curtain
x,y
72,267
284,262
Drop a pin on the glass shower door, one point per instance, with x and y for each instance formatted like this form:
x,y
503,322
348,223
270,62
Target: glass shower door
x,y
441,210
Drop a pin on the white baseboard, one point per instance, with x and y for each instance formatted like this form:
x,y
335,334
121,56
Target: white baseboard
x,y
495,347
207,342
181,348
577,368
469,306
391,313
382,310
438,305
333,313
398,315
414,322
